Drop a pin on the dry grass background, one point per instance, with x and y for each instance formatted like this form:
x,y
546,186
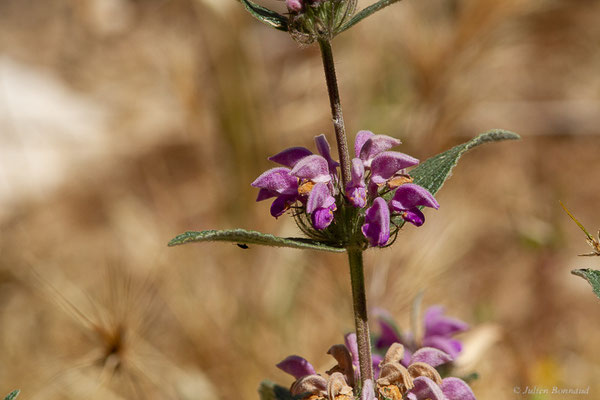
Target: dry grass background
x,y
125,122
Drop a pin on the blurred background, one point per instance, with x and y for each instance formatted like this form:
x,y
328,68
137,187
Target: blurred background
x,y
126,122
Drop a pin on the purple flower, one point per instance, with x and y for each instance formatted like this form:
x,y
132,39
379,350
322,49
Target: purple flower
x,y
439,329
456,389
438,333
290,157
296,366
377,223
449,389
312,168
367,145
408,198
278,183
356,189
324,150
321,205
337,387
386,164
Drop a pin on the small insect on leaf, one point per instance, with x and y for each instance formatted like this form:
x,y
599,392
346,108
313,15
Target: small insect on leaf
x,y
242,246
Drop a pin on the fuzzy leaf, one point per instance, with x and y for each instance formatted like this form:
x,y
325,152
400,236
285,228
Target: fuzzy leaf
x,y
365,12
271,391
12,395
590,275
242,237
266,16
432,173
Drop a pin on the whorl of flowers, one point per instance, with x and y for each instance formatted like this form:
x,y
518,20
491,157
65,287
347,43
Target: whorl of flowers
x,y
379,192
400,372
312,20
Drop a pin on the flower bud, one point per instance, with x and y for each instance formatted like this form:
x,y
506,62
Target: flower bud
x,y
294,5
312,20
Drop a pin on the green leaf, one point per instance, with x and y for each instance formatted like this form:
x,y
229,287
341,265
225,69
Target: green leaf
x,y
590,275
432,173
266,16
365,12
241,236
271,391
435,171
12,395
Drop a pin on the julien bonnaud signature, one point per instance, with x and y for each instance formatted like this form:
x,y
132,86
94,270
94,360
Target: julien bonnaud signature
x,y
551,390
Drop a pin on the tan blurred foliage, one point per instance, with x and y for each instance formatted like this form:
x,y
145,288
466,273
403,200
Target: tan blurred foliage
x,y
125,122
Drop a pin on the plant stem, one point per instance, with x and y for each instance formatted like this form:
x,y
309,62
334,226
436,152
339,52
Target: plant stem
x,y
359,300
336,109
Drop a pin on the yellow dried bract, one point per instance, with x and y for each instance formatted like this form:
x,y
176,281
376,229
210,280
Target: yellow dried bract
x,y
399,181
423,369
391,392
305,187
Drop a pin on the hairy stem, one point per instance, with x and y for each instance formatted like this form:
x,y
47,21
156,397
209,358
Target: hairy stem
x,y
359,300
336,110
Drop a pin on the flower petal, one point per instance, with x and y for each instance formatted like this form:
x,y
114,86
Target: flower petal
x,y
357,196
296,366
277,180
385,165
436,324
344,360
281,204
313,168
321,205
389,334
375,145
290,157
425,388
325,151
376,360
322,218
264,194
414,216
431,356
313,384
410,195
357,170
356,191
456,389
394,354
352,345
451,346
368,390
359,141
319,197
377,223
337,386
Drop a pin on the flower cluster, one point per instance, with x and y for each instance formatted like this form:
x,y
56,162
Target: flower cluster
x,y
380,188
311,20
402,368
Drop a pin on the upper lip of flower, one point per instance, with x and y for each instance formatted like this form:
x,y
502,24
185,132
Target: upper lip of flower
x,y
274,182
313,168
